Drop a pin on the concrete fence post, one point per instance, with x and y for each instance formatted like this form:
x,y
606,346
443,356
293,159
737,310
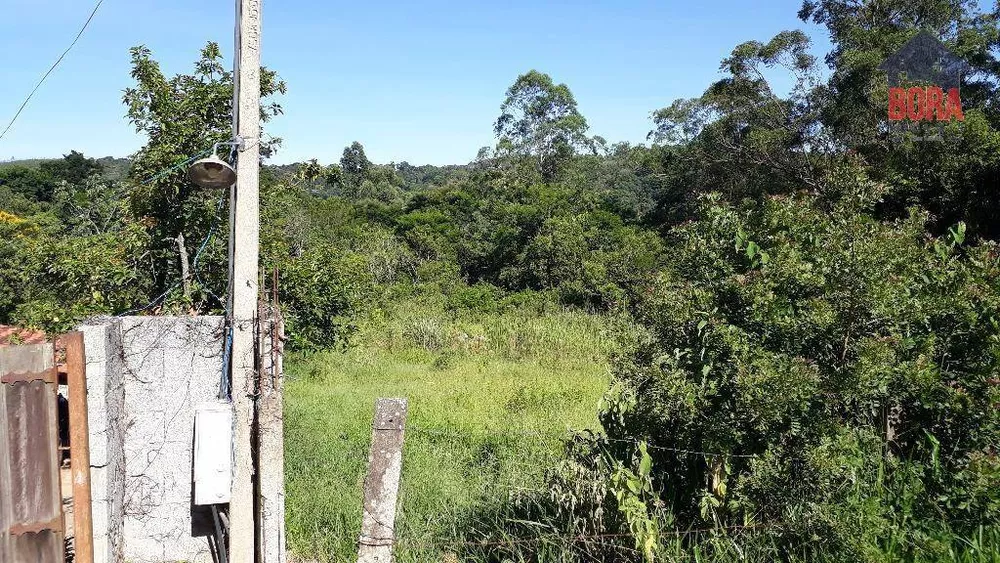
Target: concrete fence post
x,y
385,466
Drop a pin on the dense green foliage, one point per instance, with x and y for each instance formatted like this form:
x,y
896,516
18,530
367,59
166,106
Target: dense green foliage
x,y
841,371
817,373
67,250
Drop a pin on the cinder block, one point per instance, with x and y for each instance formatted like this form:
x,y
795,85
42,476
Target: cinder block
x,y
146,377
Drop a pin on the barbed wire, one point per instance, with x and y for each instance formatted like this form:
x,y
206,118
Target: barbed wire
x,y
573,538
511,432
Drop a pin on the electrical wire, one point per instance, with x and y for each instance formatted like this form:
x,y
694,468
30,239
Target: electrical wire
x,y
175,285
180,164
220,541
211,231
53,67
197,256
225,389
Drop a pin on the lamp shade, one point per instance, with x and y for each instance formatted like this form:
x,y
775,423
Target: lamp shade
x,y
212,173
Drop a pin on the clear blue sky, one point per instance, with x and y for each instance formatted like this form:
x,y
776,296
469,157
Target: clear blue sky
x,y
416,80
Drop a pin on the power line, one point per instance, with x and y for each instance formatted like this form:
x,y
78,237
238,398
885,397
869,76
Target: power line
x,y
211,231
53,67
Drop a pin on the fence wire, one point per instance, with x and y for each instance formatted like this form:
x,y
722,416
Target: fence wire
x,y
507,433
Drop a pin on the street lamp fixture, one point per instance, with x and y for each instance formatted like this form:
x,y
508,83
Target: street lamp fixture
x,y
213,172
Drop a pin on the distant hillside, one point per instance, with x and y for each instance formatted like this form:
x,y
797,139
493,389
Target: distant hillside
x,y
414,178
28,162
114,168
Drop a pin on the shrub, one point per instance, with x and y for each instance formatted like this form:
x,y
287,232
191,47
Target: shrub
x,y
479,298
840,373
321,291
51,282
426,332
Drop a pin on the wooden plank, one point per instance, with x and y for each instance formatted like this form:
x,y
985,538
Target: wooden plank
x,y
79,450
385,468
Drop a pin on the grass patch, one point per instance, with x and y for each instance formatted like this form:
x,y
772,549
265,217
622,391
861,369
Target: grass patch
x,y
490,396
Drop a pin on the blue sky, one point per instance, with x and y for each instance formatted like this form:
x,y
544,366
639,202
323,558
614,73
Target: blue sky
x,y
420,81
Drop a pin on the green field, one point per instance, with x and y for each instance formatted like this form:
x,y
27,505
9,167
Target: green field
x,y
490,397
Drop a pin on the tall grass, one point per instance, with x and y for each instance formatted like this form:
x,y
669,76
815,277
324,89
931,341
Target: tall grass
x,y
491,398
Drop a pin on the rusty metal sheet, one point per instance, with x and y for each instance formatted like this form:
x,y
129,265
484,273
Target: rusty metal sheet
x,y
46,375
31,417
31,526
42,547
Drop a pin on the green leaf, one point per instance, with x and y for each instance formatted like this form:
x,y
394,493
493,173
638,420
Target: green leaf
x,y
645,462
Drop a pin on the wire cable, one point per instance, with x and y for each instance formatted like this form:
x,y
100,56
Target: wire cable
x,y
197,257
218,218
53,67
180,164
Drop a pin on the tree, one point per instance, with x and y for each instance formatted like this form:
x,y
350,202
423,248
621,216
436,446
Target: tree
x,y
539,119
94,206
836,368
865,33
740,137
743,139
355,163
182,116
30,183
73,168
357,178
949,177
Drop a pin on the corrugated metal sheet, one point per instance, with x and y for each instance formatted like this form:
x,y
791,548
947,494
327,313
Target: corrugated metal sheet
x,y
42,547
30,500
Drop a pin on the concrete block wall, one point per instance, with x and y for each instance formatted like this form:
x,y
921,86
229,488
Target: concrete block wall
x,y
145,377
105,398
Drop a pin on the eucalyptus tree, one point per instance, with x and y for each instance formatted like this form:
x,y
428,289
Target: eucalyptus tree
x,y
539,119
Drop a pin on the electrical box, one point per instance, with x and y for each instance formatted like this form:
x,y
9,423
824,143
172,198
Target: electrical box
x,y
213,453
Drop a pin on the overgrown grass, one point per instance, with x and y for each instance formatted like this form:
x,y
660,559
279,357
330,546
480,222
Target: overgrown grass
x,y
491,396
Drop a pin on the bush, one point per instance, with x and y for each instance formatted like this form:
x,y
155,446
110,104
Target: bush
x,y
321,291
840,373
51,282
479,298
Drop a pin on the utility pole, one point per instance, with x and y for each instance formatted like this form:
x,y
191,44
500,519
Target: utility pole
x,y
244,239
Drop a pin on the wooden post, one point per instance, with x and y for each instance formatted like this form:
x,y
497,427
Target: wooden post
x,y
79,448
244,236
385,467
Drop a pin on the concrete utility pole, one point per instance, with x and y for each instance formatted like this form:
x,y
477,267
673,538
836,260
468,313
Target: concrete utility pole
x,y
244,238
